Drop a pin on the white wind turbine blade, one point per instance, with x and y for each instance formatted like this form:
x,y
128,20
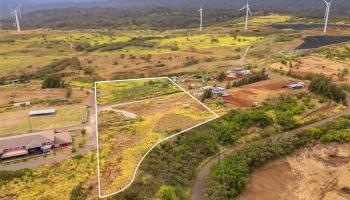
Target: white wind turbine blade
x,y
11,12
19,11
326,16
249,11
243,8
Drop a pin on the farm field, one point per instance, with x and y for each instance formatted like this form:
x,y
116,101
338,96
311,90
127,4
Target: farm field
x,y
319,172
133,127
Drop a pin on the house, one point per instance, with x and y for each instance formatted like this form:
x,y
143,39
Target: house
x,y
238,72
297,86
42,112
33,143
216,91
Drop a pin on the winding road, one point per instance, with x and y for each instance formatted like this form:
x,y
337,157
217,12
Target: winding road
x,y
199,182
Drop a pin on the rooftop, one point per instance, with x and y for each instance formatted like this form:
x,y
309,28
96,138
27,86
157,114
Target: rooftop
x,y
42,112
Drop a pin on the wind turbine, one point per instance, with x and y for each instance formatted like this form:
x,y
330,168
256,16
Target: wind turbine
x,y
17,15
247,14
326,16
201,16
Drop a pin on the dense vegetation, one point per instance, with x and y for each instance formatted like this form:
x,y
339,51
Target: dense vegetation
x,y
92,18
323,86
260,76
139,42
229,177
169,168
53,81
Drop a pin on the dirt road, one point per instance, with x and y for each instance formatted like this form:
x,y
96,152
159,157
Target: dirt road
x,y
198,185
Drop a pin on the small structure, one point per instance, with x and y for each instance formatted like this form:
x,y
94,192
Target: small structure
x,y
216,91
238,72
297,86
174,78
42,112
23,104
33,143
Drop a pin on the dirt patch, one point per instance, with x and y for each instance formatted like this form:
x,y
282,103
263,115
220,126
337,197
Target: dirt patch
x,y
247,95
319,172
259,188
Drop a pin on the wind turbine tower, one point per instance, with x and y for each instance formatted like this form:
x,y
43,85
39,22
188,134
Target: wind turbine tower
x,y
201,16
326,16
247,14
17,15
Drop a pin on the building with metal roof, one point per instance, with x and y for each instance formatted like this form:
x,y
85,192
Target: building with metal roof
x,y
42,112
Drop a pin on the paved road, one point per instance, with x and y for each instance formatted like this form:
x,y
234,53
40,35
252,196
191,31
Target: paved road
x,y
90,126
198,185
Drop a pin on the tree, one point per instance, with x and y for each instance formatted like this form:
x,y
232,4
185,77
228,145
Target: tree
x,y
206,95
322,85
221,76
69,92
53,81
78,193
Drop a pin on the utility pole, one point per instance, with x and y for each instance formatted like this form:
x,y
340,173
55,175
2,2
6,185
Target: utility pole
x,y
30,124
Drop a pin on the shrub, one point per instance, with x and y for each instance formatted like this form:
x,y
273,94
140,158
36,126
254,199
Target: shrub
x,y
53,81
78,193
321,85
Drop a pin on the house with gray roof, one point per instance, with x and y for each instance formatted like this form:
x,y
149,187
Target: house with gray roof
x,y
39,142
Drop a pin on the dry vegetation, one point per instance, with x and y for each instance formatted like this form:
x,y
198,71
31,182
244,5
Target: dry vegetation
x,y
319,172
156,118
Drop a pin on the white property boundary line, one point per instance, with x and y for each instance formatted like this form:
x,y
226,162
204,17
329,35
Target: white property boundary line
x,y
160,141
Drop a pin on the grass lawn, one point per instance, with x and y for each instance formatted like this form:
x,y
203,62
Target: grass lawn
x,y
14,123
119,92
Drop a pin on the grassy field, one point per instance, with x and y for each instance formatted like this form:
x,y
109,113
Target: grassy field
x,y
119,92
339,52
131,138
269,19
14,123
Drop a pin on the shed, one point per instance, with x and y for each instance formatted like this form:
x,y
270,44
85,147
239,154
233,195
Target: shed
x,y
42,112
